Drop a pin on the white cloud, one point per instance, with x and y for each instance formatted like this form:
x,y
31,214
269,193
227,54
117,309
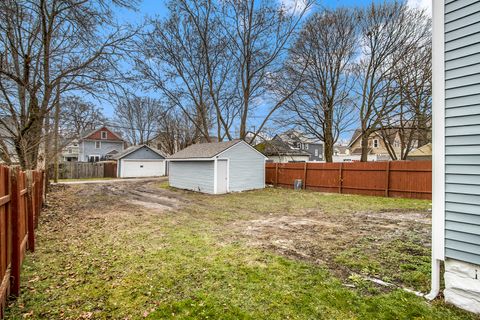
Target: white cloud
x,y
421,4
294,6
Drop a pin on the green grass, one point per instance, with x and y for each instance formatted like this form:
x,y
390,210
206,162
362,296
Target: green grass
x,y
122,262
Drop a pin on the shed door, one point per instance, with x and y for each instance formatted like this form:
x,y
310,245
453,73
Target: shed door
x,y
222,176
142,168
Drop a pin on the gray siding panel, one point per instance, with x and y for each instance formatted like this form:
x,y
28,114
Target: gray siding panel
x,y
462,130
191,175
459,9
247,168
463,256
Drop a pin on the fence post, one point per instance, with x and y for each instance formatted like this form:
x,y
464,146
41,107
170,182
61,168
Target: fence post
x,y
340,178
31,209
387,182
305,176
15,214
276,174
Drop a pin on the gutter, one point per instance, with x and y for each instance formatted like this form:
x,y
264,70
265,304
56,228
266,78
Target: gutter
x,y
438,145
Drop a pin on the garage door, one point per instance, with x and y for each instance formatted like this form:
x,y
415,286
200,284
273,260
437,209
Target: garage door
x,y
142,168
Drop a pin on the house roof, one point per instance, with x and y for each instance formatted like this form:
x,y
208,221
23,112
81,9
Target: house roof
x,y
340,149
278,148
425,150
359,151
203,150
291,136
132,149
91,134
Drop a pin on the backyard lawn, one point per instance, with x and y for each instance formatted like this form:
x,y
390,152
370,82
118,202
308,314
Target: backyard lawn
x,y
141,250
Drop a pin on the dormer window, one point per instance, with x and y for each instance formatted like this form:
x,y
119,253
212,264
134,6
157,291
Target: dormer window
x,y
104,135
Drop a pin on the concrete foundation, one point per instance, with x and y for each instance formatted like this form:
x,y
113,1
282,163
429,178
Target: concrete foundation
x,y
462,285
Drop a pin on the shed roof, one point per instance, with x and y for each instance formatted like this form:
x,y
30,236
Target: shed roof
x,y
203,150
132,149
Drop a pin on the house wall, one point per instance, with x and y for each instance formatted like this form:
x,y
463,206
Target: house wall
x,y
462,153
87,147
247,168
192,175
381,149
311,147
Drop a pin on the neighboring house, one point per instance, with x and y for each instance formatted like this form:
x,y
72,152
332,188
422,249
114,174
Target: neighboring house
x,y
280,152
299,141
140,161
456,156
377,149
71,151
342,154
422,153
217,168
100,144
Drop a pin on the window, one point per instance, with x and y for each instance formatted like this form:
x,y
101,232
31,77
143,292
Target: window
x,y
69,150
94,158
316,152
104,134
375,143
306,146
98,144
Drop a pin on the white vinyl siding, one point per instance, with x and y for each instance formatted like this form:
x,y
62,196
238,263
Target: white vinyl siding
x,y
247,168
462,130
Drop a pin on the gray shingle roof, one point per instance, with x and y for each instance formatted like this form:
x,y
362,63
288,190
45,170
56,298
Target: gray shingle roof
x,y
203,150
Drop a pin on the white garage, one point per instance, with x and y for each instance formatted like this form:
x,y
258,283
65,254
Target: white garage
x,y
140,161
217,168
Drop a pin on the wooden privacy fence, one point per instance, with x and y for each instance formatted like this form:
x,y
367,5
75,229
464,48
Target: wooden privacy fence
x,y
21,199
81,170
402,179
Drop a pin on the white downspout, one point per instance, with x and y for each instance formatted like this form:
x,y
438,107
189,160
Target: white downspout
x,y
438,150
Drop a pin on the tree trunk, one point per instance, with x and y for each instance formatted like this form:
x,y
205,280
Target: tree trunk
x,y
364,137
55,136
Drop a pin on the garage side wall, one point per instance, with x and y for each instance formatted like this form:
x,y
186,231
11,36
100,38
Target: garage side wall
x,y
191,175
247,168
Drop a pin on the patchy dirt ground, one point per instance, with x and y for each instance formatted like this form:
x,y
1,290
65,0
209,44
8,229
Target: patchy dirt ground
x,y
139,249
348,243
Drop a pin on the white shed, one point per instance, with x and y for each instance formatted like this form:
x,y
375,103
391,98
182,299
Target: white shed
x,y
217,168
140,161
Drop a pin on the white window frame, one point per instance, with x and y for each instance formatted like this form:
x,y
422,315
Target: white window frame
x,y
94,156
375,143
316,153
99,145
102,135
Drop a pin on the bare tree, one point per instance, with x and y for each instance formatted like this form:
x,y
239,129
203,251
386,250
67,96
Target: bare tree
x,y
176,132
408,125
78,116
215,59
46,43
138,118
388,30
260,34
173,60
322,105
